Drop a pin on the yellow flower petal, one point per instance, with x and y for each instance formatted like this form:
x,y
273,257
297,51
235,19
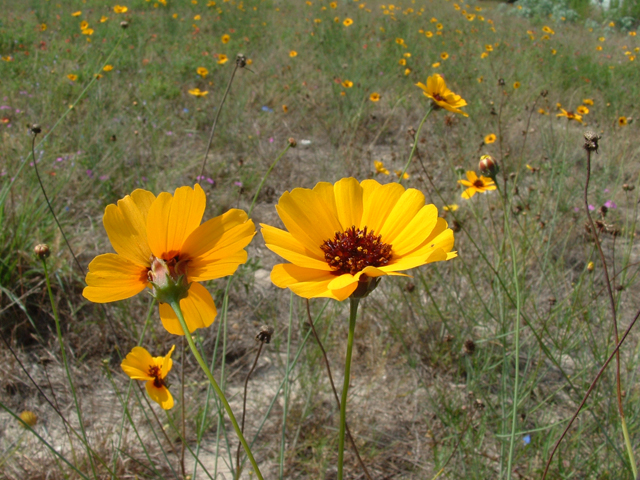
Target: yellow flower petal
x,y
136,364
419,228
327,194
198,309
280,238
126,226
167,363
173,218
407,206
200,271
348,194
112,277
161,396
307,282
378,201
469,192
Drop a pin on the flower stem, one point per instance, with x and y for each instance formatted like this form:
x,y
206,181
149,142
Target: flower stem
x,y
175,305
353,313
415,145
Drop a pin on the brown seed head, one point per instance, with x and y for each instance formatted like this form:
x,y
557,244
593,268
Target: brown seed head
x,y
42,251
469,347
36,129
501,82
265,333
544,93
591,141
627,188
124,24
241,60
292,142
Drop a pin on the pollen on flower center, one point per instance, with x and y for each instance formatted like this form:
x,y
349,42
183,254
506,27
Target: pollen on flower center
x,y
353,250
156,372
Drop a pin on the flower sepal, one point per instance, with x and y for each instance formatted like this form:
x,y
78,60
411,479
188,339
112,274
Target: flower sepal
x,y
366,285
166,288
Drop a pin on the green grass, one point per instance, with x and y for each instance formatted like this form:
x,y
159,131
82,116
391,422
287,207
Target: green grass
x,y
420,400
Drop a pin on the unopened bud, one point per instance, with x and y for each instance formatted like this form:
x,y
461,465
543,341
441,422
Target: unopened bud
x,y
29,418
292,142
591,266
488,165
124,24
627,188
42,251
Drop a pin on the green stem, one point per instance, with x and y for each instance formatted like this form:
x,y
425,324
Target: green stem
x,y
176,308
66,367
353,313
264,178
415,145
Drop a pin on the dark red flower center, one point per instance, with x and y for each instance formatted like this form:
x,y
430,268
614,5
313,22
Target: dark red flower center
x,y
438,97
156,373
355,249
478,183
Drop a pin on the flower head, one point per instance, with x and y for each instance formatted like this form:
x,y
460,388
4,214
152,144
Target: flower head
x,y
222,59
293,53
225,38
476,184
582,110
120,9
347,22
374,97
140,365
159,241
107,68
441,96
380,168
343,237
196,92
72,76
347,83
490,138
570,115
202,71
622,121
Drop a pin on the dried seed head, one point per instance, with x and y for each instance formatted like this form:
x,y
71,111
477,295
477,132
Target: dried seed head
x,y
603,211
410,287
292,142
627,188
29,418
544,93
241,60
265,333
591,141
35,129
552,301
501,82
469,347
478,404
124,24
42,251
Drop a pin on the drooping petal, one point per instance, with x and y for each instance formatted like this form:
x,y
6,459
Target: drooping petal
x,y
161,396
126,226
167,363
220,236
348,194
197,308
469,192
112,277
308,283
407,206
172,219
136,364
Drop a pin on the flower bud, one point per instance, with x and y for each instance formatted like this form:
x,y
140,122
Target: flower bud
x,y
29,418
292,142
591,266
169,283
42,251
488,166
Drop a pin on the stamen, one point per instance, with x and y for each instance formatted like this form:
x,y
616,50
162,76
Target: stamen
x,y
355,249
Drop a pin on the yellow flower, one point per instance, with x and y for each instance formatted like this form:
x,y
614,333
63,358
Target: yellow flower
x,y
222,59
380,168
488,48
347,83
476,184
347,22
435,65
400,41
333,4
434,20
582,110
197,17
451,208
490,138
196,92
444,55
428,34
140,365
43,27
108,68
76,14
570,115
285,109
484,55
120,9
103,19
633,34
591,266
599,48
84,24
161,238
402,62
87,31
344,236
407,71
399,173
480,79
203,72
293,53
546,29
374,97
441,96
622,121
542,111
73,77
225,38
601,39
28,417
516,85
587,101
439,26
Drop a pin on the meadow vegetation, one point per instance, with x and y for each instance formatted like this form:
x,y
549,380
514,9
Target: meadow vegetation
x,y
469,368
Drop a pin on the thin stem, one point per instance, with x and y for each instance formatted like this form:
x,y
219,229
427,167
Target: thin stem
x,y
335,392
240,62
286,383
264,178
182,410
175,305
244,407
415,145
66,367
586,396
612,304
353,313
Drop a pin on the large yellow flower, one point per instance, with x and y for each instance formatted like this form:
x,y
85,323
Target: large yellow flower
x,y
476,184
144,229
140,365
349,234
442,97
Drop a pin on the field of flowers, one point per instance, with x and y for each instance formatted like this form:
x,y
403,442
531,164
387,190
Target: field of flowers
x,y
200,201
